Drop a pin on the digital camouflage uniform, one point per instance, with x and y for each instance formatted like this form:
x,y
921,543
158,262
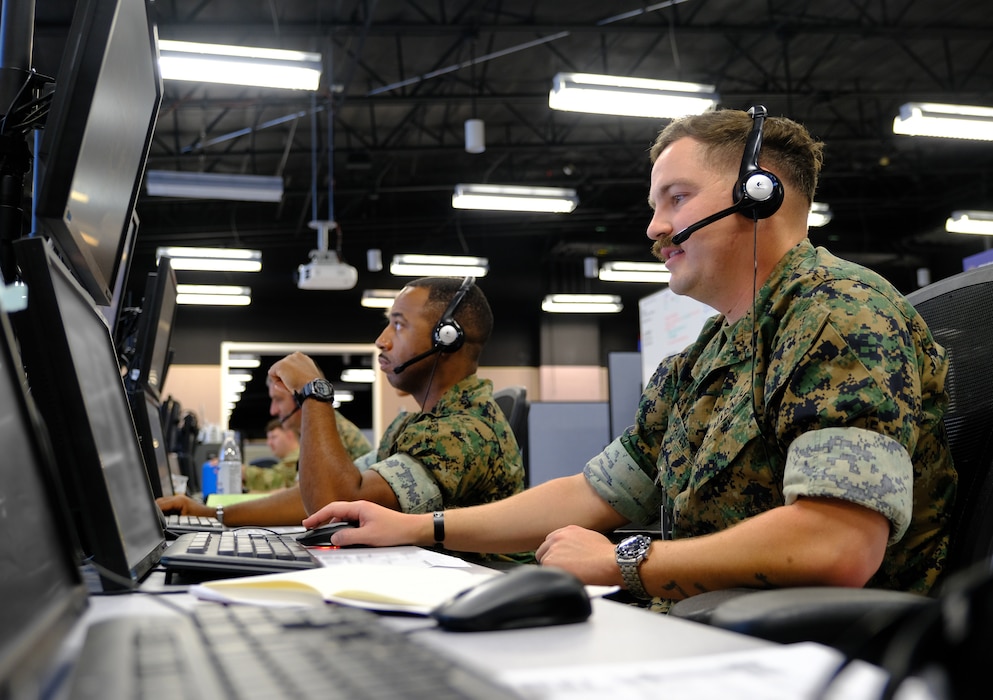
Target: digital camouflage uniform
x,y
281,475
849,393
285,472
356,444
462,453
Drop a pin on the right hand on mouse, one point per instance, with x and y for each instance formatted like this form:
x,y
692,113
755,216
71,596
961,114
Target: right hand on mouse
x,y
377,526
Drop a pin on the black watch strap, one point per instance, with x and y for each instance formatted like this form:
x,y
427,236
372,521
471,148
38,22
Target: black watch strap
x,y
320,389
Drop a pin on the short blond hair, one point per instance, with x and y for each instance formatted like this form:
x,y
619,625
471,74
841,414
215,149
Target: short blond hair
x,y
788,149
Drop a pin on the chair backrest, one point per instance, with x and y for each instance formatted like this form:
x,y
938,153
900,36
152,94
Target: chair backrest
x,y
513,401
959,312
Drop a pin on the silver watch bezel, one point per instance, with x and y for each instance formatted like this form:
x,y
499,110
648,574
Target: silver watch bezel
x,y
629,553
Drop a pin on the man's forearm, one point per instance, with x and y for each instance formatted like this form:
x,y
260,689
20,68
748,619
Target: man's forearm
x,y
327,471
824,542
520,523
278,508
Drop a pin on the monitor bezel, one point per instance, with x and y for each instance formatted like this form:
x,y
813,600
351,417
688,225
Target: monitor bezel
x,y
143,404
41,330
81,73
31,646
152,355
112,311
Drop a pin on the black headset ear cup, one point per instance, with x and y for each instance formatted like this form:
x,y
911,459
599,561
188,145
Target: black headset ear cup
x,y
760,194
448,335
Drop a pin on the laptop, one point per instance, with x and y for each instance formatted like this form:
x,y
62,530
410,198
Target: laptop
x,y
76,382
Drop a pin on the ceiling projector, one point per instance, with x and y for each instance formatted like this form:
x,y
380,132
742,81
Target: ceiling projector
x,y
326,271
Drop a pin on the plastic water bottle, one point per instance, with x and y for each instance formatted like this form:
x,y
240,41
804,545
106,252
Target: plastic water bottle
x,y
229,469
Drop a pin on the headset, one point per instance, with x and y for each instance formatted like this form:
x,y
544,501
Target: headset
x,y
757,194
447,335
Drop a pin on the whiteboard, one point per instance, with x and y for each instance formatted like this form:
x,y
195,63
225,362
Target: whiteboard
x,y
669,323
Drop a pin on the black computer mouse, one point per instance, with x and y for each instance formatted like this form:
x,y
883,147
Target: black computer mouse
x,y
321,535
527,596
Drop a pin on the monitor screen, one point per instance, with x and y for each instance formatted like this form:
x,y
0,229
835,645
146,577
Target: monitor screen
x,y
96,138
148,425
41,592
152,346
76,381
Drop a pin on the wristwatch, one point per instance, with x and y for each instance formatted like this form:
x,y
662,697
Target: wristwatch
x,y
630,552
320,389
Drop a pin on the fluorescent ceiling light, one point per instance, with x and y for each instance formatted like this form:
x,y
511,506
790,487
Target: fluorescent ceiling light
x,y
243,361
227,186
358,375
555,200
975,222
343,396
820,214
378,298
949,121
211,259
213,295
413,265
623,271
582,304
629,97
239,65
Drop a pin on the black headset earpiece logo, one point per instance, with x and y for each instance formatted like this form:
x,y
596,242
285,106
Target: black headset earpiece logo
x,y
758,193
448,335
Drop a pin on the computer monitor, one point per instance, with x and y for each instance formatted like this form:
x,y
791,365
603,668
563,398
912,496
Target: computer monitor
x,y
92,153
152,344
112,311
41,591
76,382
148,426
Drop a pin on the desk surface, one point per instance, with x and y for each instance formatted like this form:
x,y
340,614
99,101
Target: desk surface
x,y
614,634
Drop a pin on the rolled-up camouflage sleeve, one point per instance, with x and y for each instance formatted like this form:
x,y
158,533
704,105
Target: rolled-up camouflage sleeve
x,y
461,454
856,465
619,480
414,486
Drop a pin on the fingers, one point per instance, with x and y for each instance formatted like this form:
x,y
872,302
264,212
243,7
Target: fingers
x,y
169,504
338,510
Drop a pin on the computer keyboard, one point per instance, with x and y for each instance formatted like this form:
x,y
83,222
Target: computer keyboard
x,y
247,652
193,523
237,551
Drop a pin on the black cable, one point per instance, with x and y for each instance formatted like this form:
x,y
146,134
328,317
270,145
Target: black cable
x,y
759,416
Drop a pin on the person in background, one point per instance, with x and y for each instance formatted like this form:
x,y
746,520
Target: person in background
x,y
284,444
797,442
457,451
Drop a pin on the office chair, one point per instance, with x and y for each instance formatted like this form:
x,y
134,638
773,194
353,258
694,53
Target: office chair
x,y
513,401
959,312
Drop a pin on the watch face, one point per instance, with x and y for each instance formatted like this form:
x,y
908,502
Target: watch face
x,y
322,387
634,546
